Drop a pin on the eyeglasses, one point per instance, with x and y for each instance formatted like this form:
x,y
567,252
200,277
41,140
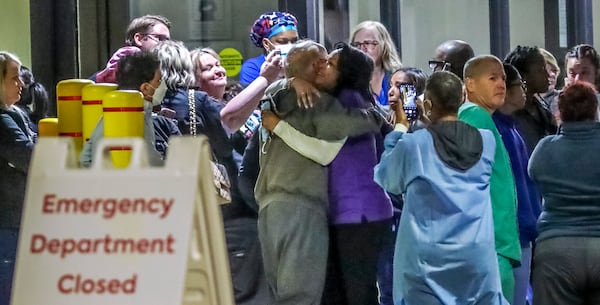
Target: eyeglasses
x,y
367,44
157,37
439,65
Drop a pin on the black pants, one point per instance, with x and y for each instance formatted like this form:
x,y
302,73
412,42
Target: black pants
x,y
352,268
8,252
245,258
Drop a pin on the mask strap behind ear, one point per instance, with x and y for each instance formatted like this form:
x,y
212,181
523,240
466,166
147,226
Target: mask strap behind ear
x,y
144,91
268,44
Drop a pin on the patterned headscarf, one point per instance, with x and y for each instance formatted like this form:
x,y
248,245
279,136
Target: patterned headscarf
x,y
271,24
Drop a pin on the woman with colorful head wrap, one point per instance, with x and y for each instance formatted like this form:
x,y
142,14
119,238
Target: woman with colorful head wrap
x,y
270,31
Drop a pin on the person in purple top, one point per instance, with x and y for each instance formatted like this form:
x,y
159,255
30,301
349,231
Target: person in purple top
x,y
528,198
360,212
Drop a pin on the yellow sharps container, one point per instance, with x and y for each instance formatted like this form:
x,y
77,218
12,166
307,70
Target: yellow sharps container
x,y
91,106
48,127
68,108
123,117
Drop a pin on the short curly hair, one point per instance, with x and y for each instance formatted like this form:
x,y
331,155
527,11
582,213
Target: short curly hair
x,y
522,57
445,90
578,102
176,65
136,69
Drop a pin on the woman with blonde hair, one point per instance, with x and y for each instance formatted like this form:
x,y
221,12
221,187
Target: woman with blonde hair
x,y
206,117
16,147
551,96
374,39
211,77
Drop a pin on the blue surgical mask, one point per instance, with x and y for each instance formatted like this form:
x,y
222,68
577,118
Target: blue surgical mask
x,y
284,49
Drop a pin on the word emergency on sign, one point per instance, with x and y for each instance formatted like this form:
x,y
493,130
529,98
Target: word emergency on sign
x,y
107,207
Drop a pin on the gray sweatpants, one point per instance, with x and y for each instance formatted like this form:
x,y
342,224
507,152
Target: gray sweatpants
x,y
294,240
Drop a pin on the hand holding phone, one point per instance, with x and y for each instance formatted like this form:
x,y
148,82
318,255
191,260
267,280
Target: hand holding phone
x,y
409,101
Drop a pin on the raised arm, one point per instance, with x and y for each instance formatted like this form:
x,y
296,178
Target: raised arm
x,y
237,111
388,173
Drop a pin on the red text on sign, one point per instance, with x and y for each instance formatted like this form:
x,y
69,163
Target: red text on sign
x,y
104,245
107,207
76,284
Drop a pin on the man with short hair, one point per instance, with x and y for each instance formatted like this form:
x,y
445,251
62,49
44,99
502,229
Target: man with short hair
x,y
147,31
138,71
451,56
486,90
143,33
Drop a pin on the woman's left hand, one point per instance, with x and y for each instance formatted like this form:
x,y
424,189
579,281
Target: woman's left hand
x,y
304,92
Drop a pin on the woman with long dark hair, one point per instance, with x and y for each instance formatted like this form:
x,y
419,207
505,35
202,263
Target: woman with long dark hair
x,y
34,99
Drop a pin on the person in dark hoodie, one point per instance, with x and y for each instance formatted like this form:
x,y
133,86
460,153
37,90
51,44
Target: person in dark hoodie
x,y
444,173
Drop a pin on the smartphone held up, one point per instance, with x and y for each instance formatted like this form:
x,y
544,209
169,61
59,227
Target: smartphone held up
x,y
409,101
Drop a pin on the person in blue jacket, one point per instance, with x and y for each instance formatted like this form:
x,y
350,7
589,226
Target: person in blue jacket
x,y
444,173
529,200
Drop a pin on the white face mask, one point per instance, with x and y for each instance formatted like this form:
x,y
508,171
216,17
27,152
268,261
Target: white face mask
x,y
284,49
159,93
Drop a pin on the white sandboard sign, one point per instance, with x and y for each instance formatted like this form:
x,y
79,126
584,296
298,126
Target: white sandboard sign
x,y
144,235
